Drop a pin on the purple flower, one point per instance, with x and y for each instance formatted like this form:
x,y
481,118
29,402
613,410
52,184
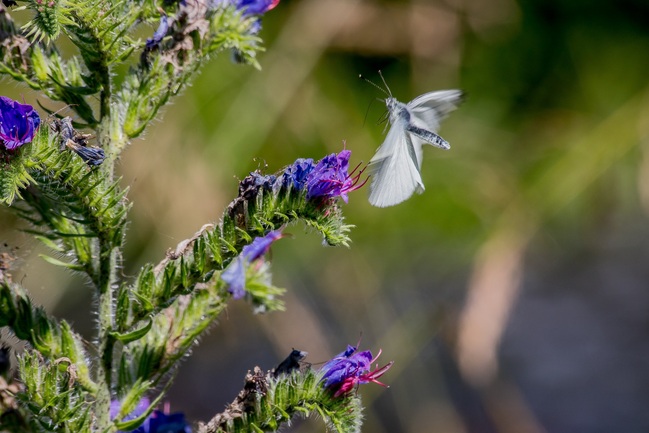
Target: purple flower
x,y
256,7
235,274
349,368
249,7
330,177
18,123
157,422
297,173
159,34
160,422
141,407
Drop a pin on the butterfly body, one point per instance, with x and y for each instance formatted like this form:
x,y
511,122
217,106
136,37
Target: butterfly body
x,y
395,168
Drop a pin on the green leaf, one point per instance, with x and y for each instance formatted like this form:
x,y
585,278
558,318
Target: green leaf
x,y
63,264
133,335
49,243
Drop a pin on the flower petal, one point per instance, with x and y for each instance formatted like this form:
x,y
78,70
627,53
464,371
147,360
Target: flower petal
x,y
18,123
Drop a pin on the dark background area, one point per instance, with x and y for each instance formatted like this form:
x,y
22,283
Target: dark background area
x,y
513,294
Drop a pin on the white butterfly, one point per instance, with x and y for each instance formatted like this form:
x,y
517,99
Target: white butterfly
x,y
395,168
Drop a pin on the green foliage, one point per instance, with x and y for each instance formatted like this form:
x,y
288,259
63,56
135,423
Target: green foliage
x,y
48,19
162,72
77,208
73,205
52,340
266,403
57,404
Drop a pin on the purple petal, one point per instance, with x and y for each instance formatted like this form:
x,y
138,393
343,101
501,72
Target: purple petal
x,y
297,173
235,277
141,407
159,422
18,123
345,354
256,7
159,34
330,177
235,274
347,365
260,245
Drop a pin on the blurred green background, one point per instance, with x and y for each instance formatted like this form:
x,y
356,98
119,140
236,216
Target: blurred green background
x,y
513,294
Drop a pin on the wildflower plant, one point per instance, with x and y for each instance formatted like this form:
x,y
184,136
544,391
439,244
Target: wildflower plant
x,y
58,174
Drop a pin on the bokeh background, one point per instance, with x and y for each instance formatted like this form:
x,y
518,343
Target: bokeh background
x,y
513,294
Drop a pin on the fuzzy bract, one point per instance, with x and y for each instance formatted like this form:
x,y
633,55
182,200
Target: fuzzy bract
x,y
18,123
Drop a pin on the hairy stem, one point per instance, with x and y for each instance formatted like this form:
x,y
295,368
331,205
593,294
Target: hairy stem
x,y
107,266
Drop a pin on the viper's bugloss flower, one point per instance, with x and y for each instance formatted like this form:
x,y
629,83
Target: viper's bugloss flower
x,y
297,174
351,368
330,177
18,123
248,7
235,274
256,7
157,422
159,34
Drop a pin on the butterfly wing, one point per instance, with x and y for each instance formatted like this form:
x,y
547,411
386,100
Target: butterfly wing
x,y
394,169
426,113
429,109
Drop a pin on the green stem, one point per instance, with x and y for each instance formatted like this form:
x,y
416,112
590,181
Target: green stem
x,y
107,278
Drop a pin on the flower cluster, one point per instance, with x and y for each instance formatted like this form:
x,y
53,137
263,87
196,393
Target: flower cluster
x,y
157,422
235,274
328,178
18,123
349,368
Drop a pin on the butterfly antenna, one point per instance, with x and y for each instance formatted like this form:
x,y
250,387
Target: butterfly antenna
x,y
385,83
376,85
367,112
